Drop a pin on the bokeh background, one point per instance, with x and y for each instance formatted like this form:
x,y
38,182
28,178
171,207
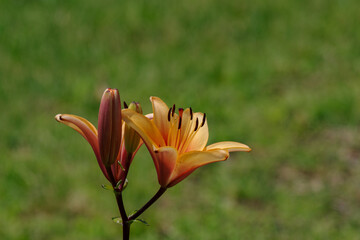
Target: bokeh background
x,y
281,76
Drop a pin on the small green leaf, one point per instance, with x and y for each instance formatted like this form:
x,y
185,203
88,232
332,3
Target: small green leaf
x,y
125,184
141,221
122,168
133,213
107,187
118,183
117,220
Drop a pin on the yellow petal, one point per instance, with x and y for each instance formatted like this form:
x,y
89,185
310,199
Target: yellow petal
x,y
190,161
199,141
144,127
160,110
165,162
230,146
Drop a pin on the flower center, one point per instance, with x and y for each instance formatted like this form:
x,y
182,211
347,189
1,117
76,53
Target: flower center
x,y
183,127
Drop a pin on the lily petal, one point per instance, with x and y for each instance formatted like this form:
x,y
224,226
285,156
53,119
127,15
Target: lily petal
x,y
185,125
199,141
160,110
230,146
144,127
87,130
150,116
109,126
190,161
165,162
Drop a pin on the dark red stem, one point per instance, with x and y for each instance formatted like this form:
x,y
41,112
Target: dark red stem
x,y
120,203
159,193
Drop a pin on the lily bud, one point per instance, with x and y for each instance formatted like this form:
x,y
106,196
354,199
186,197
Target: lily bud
x,y
132,139
109,126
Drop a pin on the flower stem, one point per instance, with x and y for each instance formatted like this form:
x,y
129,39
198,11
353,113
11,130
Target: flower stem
x,y
120,203
148,204
125,223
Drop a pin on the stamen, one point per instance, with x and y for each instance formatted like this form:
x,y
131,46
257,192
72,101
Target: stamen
x,y
173,110
181,110
196,124
191,114
203,121
125,105
169,114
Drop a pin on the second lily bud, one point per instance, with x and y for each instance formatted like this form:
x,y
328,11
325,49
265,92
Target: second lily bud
x,y
132,139
109,126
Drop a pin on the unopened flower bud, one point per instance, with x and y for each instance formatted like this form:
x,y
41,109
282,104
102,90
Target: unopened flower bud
x,y
109,126
132,139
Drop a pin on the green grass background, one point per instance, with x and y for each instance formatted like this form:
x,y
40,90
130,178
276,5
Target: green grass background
x,y
281,76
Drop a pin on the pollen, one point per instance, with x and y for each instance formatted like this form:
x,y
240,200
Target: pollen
x,y
196,124
173,110
181,110
169,114
203,120
125,105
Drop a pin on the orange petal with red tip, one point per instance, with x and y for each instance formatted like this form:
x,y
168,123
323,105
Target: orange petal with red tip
x,y
190,161
165,162
87,130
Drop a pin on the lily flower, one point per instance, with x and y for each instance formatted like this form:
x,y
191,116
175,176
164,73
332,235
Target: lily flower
x,y
109,143
177,142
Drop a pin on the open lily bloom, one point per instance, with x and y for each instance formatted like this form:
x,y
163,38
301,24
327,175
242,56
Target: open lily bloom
x,y
177,142
109,144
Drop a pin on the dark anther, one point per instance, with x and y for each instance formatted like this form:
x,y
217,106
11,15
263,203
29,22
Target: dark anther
x,y
181,110
191,114
203,121
169,114
125,105
173,110
196,124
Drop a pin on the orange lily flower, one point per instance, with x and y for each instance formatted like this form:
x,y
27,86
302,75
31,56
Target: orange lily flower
x,y
177,142
109,144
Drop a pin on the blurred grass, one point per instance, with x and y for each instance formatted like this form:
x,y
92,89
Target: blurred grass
x,y
281,76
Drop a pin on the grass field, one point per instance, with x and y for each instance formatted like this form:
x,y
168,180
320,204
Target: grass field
x,y
281,76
